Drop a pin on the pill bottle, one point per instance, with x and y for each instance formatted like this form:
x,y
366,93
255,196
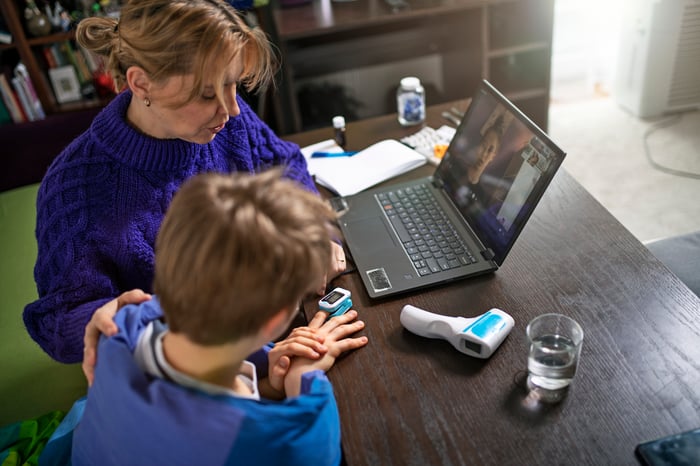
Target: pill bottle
x,y
410,101
339,131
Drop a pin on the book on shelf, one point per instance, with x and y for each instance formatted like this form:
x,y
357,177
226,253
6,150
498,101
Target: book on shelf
x,y
23,99
349,175
5,116
11,101
93,62
82,72
59,59
82,64
34,110
5,37
49,56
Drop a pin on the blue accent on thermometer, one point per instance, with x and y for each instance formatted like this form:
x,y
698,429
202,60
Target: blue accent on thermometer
x,y
486,324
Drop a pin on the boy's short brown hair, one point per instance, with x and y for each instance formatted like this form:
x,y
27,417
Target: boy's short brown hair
x,y
233,250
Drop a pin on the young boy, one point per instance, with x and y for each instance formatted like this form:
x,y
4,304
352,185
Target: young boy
x,y
235,255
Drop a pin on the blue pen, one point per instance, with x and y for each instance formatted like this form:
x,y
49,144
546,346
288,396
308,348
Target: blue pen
x,y
318,155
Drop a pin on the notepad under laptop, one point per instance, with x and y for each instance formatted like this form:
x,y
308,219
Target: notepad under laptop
x,y
463,220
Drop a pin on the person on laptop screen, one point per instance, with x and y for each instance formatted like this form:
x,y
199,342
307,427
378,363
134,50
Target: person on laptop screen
x,y
486,150
493,182
235,255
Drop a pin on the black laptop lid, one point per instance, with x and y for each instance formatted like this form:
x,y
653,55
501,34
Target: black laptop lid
x,y
496,169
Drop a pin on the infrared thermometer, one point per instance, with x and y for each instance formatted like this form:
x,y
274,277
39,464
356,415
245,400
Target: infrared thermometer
x,y
478,336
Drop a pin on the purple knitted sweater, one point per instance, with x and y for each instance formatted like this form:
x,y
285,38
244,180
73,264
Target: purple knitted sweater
x,y
102,201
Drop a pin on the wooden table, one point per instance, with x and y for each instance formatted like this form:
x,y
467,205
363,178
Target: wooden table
x,y
406,400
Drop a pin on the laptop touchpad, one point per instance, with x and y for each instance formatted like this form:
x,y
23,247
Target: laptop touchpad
x,y
373,234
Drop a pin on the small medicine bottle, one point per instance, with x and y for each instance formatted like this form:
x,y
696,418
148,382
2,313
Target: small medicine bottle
x,y
339,130
410,101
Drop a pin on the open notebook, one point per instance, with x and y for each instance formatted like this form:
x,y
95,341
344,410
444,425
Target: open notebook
x,y
350,175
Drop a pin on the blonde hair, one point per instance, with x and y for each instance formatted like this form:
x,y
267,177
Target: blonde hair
x,y
176,37
233,250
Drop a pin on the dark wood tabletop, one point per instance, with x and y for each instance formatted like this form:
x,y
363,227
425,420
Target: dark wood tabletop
x,y
408,400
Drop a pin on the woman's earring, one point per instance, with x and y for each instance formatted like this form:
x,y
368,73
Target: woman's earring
x,y
147,101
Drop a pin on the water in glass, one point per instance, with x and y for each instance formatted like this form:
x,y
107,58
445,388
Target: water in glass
x,y
551,363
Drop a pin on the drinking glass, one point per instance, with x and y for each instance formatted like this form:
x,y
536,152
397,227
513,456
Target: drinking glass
x,y
555,342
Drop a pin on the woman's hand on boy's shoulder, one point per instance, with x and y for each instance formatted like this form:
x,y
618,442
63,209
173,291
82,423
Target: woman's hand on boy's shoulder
x,y
102,322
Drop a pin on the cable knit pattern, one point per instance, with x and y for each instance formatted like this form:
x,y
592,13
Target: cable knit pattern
x,y
101,203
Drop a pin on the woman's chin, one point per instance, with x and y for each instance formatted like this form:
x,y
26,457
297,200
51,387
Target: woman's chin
x,y
202,138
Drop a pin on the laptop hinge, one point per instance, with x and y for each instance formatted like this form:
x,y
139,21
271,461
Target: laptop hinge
x,y
488,254
437,182
339,204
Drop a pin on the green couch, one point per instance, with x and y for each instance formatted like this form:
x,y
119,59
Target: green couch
x,y
31,383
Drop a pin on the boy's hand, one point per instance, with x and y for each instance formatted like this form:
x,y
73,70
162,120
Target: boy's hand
x,y
304,342
336,333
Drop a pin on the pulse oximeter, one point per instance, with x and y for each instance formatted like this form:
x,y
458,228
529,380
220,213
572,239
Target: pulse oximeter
x,y
336,303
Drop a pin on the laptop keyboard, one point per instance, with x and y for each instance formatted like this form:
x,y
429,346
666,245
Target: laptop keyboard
x,y
427,235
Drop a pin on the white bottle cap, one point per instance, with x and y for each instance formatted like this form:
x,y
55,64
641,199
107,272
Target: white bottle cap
x,y
410,82
338,122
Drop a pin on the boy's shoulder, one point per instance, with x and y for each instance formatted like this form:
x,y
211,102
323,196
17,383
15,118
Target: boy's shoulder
x,y
132,319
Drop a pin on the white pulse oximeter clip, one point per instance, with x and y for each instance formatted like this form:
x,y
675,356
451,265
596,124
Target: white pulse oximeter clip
x,y
479,336
336,303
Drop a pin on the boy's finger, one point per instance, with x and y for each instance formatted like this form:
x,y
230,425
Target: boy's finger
x,y
305,332
318,320
299,342
309,349
339,321
342,319
348,344
349,329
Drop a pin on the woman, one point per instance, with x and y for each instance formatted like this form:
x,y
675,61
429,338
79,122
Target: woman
x,y
101,202
486,150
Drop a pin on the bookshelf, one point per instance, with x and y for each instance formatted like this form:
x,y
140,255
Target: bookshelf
x,y
28,148
29,50
366,46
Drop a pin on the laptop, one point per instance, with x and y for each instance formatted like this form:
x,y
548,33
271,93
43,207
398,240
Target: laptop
x,y
464,219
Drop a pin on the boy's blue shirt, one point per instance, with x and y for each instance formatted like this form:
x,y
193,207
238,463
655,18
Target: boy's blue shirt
x,y
134,418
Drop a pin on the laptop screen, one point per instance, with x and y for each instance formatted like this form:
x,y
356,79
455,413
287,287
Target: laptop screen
x,y
496,169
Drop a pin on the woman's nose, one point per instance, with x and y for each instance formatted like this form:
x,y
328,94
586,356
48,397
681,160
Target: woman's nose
x,y
232,103
233,109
